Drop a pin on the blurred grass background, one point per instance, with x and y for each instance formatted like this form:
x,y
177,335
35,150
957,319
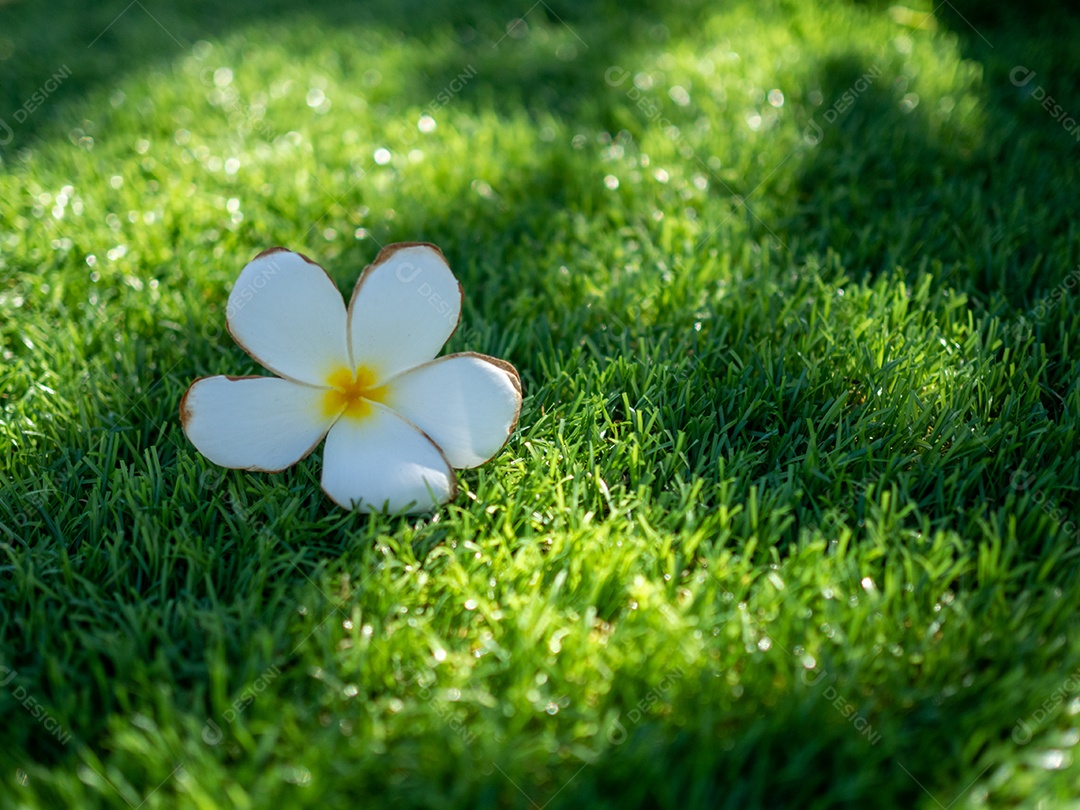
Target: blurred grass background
x,y
791,515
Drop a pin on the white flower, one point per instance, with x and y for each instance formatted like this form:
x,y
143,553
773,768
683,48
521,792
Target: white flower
x,y
396,420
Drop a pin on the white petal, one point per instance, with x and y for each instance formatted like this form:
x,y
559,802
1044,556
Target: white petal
x,y
381,460
467,403
289,315
254,423
404,308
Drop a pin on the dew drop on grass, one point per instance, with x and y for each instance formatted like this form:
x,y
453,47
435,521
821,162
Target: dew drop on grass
x,y
296,775
909,102
566,52
1052,760
679,95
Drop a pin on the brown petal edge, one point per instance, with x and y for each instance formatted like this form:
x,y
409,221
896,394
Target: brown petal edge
x,y
384,255
502,365
228,326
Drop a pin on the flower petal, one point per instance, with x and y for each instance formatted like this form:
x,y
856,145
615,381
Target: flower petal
x,y
254,423
467,403
381,460
288,314
404,308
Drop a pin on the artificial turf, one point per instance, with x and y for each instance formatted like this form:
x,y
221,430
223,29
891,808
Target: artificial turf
x,y
790,518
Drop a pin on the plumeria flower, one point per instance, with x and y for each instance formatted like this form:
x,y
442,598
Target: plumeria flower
x,y
397,421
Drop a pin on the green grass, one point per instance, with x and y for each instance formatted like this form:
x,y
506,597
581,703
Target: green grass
x,y
790,518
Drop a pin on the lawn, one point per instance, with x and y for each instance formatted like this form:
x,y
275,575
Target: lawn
x,y
791,516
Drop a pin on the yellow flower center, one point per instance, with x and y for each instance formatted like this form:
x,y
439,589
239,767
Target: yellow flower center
x,y
351,393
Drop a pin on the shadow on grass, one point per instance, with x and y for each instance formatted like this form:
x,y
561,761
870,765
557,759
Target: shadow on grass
x,y
867,191
94,46
887,158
